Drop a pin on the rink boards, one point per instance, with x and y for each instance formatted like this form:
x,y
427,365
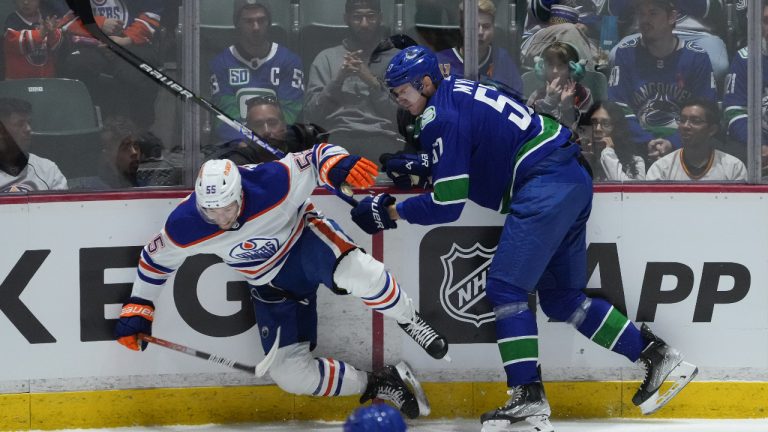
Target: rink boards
x,y
690,262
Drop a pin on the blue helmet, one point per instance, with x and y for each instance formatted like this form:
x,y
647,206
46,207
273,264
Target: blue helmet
x,y
375,418
411,65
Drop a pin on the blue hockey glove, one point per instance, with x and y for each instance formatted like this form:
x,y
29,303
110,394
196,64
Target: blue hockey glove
x,y
355,170
407,170
371,213
136,317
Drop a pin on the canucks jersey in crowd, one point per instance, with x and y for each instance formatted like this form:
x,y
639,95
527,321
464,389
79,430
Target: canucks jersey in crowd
x,y
235,79
275,210
651,89
478,150
735,99
497,66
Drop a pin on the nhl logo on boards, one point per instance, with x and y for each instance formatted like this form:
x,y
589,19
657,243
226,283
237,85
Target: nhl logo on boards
x,y
464,279
453,264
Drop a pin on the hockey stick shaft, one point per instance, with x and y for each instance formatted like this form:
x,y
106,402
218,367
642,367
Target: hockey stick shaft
x,y
213,358
82,9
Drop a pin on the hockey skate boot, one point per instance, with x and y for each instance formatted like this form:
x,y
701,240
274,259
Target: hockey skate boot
x,y
527,410
398,385
660,361
419,330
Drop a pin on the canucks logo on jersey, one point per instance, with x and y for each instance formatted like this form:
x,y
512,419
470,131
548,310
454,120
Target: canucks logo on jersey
x,y
255,249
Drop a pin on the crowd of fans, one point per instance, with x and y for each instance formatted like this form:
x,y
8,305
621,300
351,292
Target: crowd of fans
x,y
652,89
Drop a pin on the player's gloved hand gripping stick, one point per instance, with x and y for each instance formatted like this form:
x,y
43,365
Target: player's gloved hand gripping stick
x,y
82,8
135,325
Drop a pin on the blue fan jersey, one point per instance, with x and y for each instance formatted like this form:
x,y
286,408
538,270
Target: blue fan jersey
x,y
481,142
652,90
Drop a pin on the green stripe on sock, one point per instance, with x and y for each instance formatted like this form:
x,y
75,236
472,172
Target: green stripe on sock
x,y
611,329
517,349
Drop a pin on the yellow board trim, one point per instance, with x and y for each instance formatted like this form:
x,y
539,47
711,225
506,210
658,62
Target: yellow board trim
x,y
168,406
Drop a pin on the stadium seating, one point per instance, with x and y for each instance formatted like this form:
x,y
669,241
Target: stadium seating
x,y
65,123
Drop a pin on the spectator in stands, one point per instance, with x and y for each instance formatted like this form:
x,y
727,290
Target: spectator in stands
x,y
344,91
21,171
116,86
562,25
698,159
700,21
436,23
120,157
562,96
266,118
618,158
32,35
735,99
654,74
255,66
495,63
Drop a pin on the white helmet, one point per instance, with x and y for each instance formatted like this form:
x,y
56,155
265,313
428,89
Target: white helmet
x,y
218,184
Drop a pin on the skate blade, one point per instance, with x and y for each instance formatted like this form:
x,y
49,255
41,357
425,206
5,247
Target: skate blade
x,y
530,424
683,373
410,380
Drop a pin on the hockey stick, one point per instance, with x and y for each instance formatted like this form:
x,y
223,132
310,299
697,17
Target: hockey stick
x,y
259,370
82,8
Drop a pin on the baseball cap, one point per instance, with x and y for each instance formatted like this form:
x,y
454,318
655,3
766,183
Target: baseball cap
x,y
561,14
362,4
666,4
239,5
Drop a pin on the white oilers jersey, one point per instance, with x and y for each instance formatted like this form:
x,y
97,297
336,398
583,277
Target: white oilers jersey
x,y
39,174
275,210
724,168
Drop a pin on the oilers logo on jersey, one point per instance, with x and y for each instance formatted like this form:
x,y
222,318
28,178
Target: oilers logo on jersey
x,y
255,249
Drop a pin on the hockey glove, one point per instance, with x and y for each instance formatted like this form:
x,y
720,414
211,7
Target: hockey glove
x,y
355,170
407,170
136,317
371,213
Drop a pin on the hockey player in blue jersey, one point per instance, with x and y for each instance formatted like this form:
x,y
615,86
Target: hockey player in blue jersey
x,y
484,146
260,221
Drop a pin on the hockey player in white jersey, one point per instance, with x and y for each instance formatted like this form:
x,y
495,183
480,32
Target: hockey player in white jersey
x,y
260,221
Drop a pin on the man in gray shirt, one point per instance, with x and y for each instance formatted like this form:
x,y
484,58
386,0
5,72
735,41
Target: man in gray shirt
x,y
344,93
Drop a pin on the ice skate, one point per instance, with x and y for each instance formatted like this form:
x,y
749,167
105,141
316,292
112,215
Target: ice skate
x,y
435,344
660,362
398,385
527,410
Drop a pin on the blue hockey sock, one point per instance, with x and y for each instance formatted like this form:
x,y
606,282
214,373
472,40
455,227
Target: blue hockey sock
x,y
518,341
606,326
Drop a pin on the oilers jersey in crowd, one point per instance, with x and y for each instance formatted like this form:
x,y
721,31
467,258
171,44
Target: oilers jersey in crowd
x,y
480,141
235,79
735,99
275,210
652,90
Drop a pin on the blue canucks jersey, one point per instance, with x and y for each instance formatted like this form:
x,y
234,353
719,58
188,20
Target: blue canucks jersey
x,y
651,90
235,79
481,142
735,99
